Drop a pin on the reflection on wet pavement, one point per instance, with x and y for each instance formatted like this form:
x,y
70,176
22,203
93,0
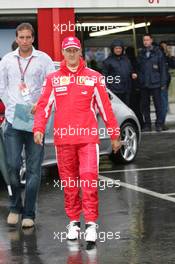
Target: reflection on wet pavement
x,y
134,227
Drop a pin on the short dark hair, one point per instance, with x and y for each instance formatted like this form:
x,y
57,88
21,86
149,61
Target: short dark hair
x,y
163,42
148,35
23,26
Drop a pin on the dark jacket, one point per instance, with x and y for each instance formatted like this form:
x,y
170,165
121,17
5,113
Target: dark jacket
x,y
117,70
170,63
152,69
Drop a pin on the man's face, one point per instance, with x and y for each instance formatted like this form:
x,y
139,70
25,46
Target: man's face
x,y
25,40
147,41
118,51
72,56
163,46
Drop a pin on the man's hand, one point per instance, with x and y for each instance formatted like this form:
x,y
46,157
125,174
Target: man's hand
x,y
116,144
33,110
134,76
38,138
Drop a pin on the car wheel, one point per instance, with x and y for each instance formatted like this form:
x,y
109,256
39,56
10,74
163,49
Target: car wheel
x,y
129,137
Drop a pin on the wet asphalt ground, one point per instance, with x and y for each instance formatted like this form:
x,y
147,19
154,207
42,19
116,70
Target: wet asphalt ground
x,y
136,222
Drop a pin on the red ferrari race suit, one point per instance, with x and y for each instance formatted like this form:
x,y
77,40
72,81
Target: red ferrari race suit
x,y
76,97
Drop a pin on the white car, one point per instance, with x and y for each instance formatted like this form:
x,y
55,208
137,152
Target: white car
x,y
130,136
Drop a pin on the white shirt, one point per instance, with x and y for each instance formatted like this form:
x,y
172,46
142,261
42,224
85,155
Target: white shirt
x,y
10,78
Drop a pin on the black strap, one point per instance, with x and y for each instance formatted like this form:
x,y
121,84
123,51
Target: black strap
x,y
21,70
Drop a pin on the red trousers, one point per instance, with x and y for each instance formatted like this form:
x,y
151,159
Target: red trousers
x,y
78,170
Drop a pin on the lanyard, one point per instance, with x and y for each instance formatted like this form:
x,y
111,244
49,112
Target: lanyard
x,y
21,70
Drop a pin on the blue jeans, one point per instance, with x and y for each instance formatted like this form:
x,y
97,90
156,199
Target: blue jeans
x,y
14,142
164,97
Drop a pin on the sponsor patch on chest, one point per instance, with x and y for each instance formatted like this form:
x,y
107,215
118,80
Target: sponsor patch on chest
x,y
89,82
83,80
64,80
60,80
61,89
55,81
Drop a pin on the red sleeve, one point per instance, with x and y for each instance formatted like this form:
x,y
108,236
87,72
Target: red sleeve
x,y
105,109
44,106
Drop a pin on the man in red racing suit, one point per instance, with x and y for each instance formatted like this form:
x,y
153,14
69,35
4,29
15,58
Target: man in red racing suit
x,y
76,92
